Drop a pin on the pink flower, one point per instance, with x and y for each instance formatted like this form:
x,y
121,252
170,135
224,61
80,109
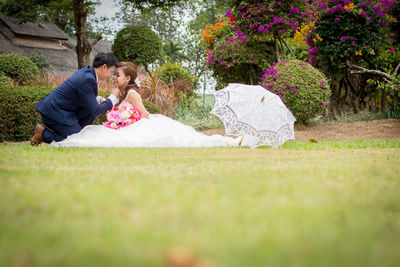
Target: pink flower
x,y
114,116
122,117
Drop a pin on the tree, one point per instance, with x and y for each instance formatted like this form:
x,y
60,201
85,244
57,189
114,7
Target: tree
x,y
64,12
348,40
165,23
138,44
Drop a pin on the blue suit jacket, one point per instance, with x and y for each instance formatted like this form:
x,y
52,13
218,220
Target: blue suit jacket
x,y
74,100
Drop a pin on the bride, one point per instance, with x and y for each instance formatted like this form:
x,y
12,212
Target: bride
x,y
152,130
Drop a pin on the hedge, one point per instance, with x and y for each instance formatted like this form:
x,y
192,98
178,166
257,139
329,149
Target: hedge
x,y
18,67
18,115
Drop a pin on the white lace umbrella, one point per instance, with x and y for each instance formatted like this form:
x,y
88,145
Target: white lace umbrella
x,y
254,113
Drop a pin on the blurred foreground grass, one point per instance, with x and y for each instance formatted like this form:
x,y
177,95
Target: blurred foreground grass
x,y
323,204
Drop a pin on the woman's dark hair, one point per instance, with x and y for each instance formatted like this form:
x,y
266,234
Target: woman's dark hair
x,y
105,58
130,70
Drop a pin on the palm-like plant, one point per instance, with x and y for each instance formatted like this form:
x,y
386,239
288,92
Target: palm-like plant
x,y
174,52
154,90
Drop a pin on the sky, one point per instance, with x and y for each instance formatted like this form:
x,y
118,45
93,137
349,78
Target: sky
x,y
107,8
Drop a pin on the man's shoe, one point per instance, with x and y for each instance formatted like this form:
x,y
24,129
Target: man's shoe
x,y
38,136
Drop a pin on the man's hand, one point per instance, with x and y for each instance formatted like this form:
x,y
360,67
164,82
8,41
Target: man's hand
x,y
115,91
102,100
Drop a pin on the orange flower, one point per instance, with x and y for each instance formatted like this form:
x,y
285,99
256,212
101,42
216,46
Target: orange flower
x,y
349,7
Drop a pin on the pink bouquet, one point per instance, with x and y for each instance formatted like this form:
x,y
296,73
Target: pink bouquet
x,y
122,116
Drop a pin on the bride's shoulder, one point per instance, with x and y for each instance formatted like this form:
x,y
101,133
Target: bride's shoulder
x,y
133,91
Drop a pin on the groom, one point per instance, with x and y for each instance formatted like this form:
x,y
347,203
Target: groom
x,y
75,104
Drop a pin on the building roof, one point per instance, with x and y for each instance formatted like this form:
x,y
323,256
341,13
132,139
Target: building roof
x,y
62,62
45,30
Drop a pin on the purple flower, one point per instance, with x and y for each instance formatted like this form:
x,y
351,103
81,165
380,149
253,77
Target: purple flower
x,y
362,4
343,38
294,10
228,13
353,43
377,8
261,28
337,19
362,12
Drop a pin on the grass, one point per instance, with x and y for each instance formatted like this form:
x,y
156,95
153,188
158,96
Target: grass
x,y
319,204
364,116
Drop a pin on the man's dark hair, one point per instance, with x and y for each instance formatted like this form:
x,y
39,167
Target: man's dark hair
x,y
105,58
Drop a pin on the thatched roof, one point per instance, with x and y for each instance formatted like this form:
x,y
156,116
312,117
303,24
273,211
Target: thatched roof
x,y
62,61
41,29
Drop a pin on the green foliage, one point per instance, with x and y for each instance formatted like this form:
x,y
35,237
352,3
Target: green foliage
x,y
196,113
220,85
61,12
39,61
151,4
18,67
303,89
138,44
241,62
171,72
18,116
395,25
349,35
174,52
4,80
392,89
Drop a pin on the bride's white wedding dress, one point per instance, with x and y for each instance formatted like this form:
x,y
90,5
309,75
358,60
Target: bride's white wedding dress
x,y
156,131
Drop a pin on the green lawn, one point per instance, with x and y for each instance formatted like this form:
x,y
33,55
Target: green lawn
x,y
324,204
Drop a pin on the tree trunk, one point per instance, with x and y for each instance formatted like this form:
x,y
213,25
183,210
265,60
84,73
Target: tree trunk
x,y
334,101
278,58
83,47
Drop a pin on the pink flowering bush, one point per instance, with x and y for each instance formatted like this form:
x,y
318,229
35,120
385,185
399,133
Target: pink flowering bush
x,y
122,116
270,17
254,30
348,30
240,59
303,89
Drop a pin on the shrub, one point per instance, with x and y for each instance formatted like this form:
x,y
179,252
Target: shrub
x,y
172,73
156,91
138,44
39,61
4,80
303,89
235,57
18,67
18,115
192,111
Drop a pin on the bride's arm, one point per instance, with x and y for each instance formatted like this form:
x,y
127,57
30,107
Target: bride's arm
x,y
137,103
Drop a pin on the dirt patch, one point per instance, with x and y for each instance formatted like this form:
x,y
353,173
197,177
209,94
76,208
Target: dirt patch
x,y
377,129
